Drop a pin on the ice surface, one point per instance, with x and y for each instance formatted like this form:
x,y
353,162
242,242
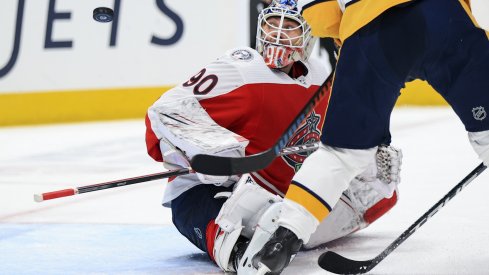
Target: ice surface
x,y
126,231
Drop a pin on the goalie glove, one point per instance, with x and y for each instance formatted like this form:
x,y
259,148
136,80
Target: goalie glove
x,y
174,158
185,129
384,174
219,180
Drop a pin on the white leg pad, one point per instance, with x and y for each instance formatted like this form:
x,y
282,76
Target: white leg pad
x,y
223,246
246,204
343,220
287,214
297,219
348,214
266,226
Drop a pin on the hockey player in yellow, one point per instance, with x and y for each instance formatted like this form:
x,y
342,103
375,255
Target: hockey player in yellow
x,y
384,44
340,19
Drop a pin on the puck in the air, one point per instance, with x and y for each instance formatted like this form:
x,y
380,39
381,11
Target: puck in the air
x,y
103,14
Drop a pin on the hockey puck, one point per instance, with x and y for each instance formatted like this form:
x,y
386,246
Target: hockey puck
x,y
103,14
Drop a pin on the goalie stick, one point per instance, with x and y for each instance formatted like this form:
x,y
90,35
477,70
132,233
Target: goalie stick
x,y
106,185
338,264
123,182
225,166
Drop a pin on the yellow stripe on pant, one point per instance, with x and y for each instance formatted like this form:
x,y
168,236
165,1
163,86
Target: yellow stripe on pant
x,y
305,197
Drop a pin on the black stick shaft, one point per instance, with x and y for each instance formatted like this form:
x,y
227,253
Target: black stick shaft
x,y
129,181
433,210
107,185
335,263
123,182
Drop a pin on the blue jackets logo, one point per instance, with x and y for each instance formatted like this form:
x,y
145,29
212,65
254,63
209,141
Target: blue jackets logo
x,y
307,133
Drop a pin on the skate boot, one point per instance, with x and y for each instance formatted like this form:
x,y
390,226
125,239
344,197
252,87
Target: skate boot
x,y
274,243
277,253
238,252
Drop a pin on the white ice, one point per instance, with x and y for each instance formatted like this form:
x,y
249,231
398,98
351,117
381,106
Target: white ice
x,y
126,231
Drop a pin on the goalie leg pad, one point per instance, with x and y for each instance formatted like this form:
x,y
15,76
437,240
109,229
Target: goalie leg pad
x,y
343,220
359,206
379,209
267,225
246,204
222,244
295,225
364,197
297,219
239,216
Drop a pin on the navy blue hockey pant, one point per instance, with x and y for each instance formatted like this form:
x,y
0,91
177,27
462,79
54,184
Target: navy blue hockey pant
x,y
432,40
194,209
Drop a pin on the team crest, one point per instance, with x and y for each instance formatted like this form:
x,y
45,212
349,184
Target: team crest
x,y
479,113
307,133
242,54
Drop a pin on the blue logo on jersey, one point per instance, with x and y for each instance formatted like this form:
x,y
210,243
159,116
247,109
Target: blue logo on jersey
x,y
307,133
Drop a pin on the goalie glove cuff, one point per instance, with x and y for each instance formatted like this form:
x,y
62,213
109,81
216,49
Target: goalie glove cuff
x,y
383,175
389,160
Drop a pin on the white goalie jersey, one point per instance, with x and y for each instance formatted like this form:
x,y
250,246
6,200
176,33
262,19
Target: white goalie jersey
x,y
238,103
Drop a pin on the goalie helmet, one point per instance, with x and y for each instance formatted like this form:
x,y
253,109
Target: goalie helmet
x,y
282,35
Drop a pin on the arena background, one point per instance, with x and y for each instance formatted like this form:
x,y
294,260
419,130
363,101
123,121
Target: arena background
x,y
58,65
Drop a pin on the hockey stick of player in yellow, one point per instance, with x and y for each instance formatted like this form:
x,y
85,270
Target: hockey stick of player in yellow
x,y
163,175
335,263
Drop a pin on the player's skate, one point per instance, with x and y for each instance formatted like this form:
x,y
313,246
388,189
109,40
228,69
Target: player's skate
x,y
265,227
277,252
278,236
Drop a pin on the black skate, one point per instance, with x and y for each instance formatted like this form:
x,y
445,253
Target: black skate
x,y
238,251
277,253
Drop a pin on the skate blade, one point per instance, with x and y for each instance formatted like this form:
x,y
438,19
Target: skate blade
x,y
262,269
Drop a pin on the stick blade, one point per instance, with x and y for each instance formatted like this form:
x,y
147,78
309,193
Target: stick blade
x,y
338,264
227,166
